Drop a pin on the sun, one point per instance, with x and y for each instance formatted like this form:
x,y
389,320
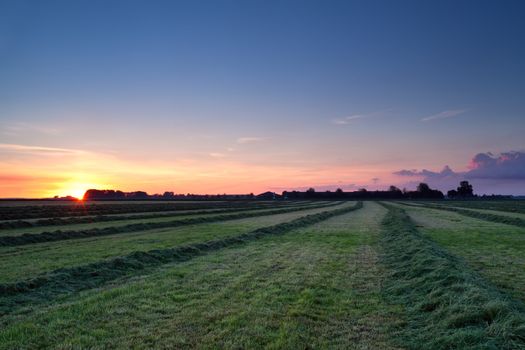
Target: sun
x,y
78,193
78,188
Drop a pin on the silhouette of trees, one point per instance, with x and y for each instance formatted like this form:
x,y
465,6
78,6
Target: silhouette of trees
x,y
465,190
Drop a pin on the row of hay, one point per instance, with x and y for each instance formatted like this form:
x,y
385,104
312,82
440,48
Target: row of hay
x,y
67,280
59,235
59,221
17,212
500,219
448,306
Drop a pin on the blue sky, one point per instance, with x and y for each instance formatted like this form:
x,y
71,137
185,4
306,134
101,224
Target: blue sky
x,y
330,92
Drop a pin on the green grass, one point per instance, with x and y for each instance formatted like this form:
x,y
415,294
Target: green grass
x,y
14,227
59,235
22,262
498,218
130,219
401,277
511,206
496,251
448,304
316,287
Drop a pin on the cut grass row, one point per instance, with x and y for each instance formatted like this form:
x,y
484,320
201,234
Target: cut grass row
x,y
67,280
316,287
21,262
501,219
59,235
58,221
511,206
138,218
84,209
448,304
495,251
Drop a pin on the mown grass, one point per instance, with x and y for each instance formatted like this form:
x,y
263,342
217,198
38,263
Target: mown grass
x,y
23,262
449,306
316,287
511,206
139,225
64,280
501,219
496,251
22,212
35,225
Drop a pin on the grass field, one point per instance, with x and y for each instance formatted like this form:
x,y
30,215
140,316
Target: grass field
x,y
341,275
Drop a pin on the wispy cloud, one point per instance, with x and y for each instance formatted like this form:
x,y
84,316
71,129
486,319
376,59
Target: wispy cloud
x,y
443,115
348,119
40,150
22,127
217,155
243,140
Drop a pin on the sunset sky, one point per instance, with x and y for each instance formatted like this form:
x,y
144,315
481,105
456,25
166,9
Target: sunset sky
x,y
248,96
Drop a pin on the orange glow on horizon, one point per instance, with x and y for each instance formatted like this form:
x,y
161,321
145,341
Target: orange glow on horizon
x,y
73,174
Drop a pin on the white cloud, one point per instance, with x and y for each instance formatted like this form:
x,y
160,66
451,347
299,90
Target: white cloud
x,y
348,119
243,140
22,127
217,155
40,149
444,115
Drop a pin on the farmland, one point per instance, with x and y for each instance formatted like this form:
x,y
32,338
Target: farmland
x,y
262,274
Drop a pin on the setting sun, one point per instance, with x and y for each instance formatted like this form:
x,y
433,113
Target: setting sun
x,y
78,193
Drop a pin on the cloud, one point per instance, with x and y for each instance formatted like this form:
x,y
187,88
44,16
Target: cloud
x,y
489,173
244,140
40,150
21,127
217,155
446,172
508,165
348,119
444,115
318,187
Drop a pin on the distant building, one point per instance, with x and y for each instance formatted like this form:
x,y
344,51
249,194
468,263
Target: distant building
x,y
268,196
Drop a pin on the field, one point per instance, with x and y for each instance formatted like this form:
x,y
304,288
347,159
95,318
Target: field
x,y
277,275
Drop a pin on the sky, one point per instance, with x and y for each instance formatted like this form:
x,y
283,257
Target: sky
x,y
248,96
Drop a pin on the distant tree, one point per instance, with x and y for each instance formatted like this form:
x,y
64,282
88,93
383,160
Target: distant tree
x,y
362,190
452,194
465,189
393,189
310,190
423,188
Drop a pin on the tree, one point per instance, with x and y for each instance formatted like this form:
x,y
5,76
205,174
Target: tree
x,y
393,189
339,191
452,194
310,190
423,188
465,189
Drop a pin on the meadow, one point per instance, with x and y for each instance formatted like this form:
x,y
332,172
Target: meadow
x,y
263,274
